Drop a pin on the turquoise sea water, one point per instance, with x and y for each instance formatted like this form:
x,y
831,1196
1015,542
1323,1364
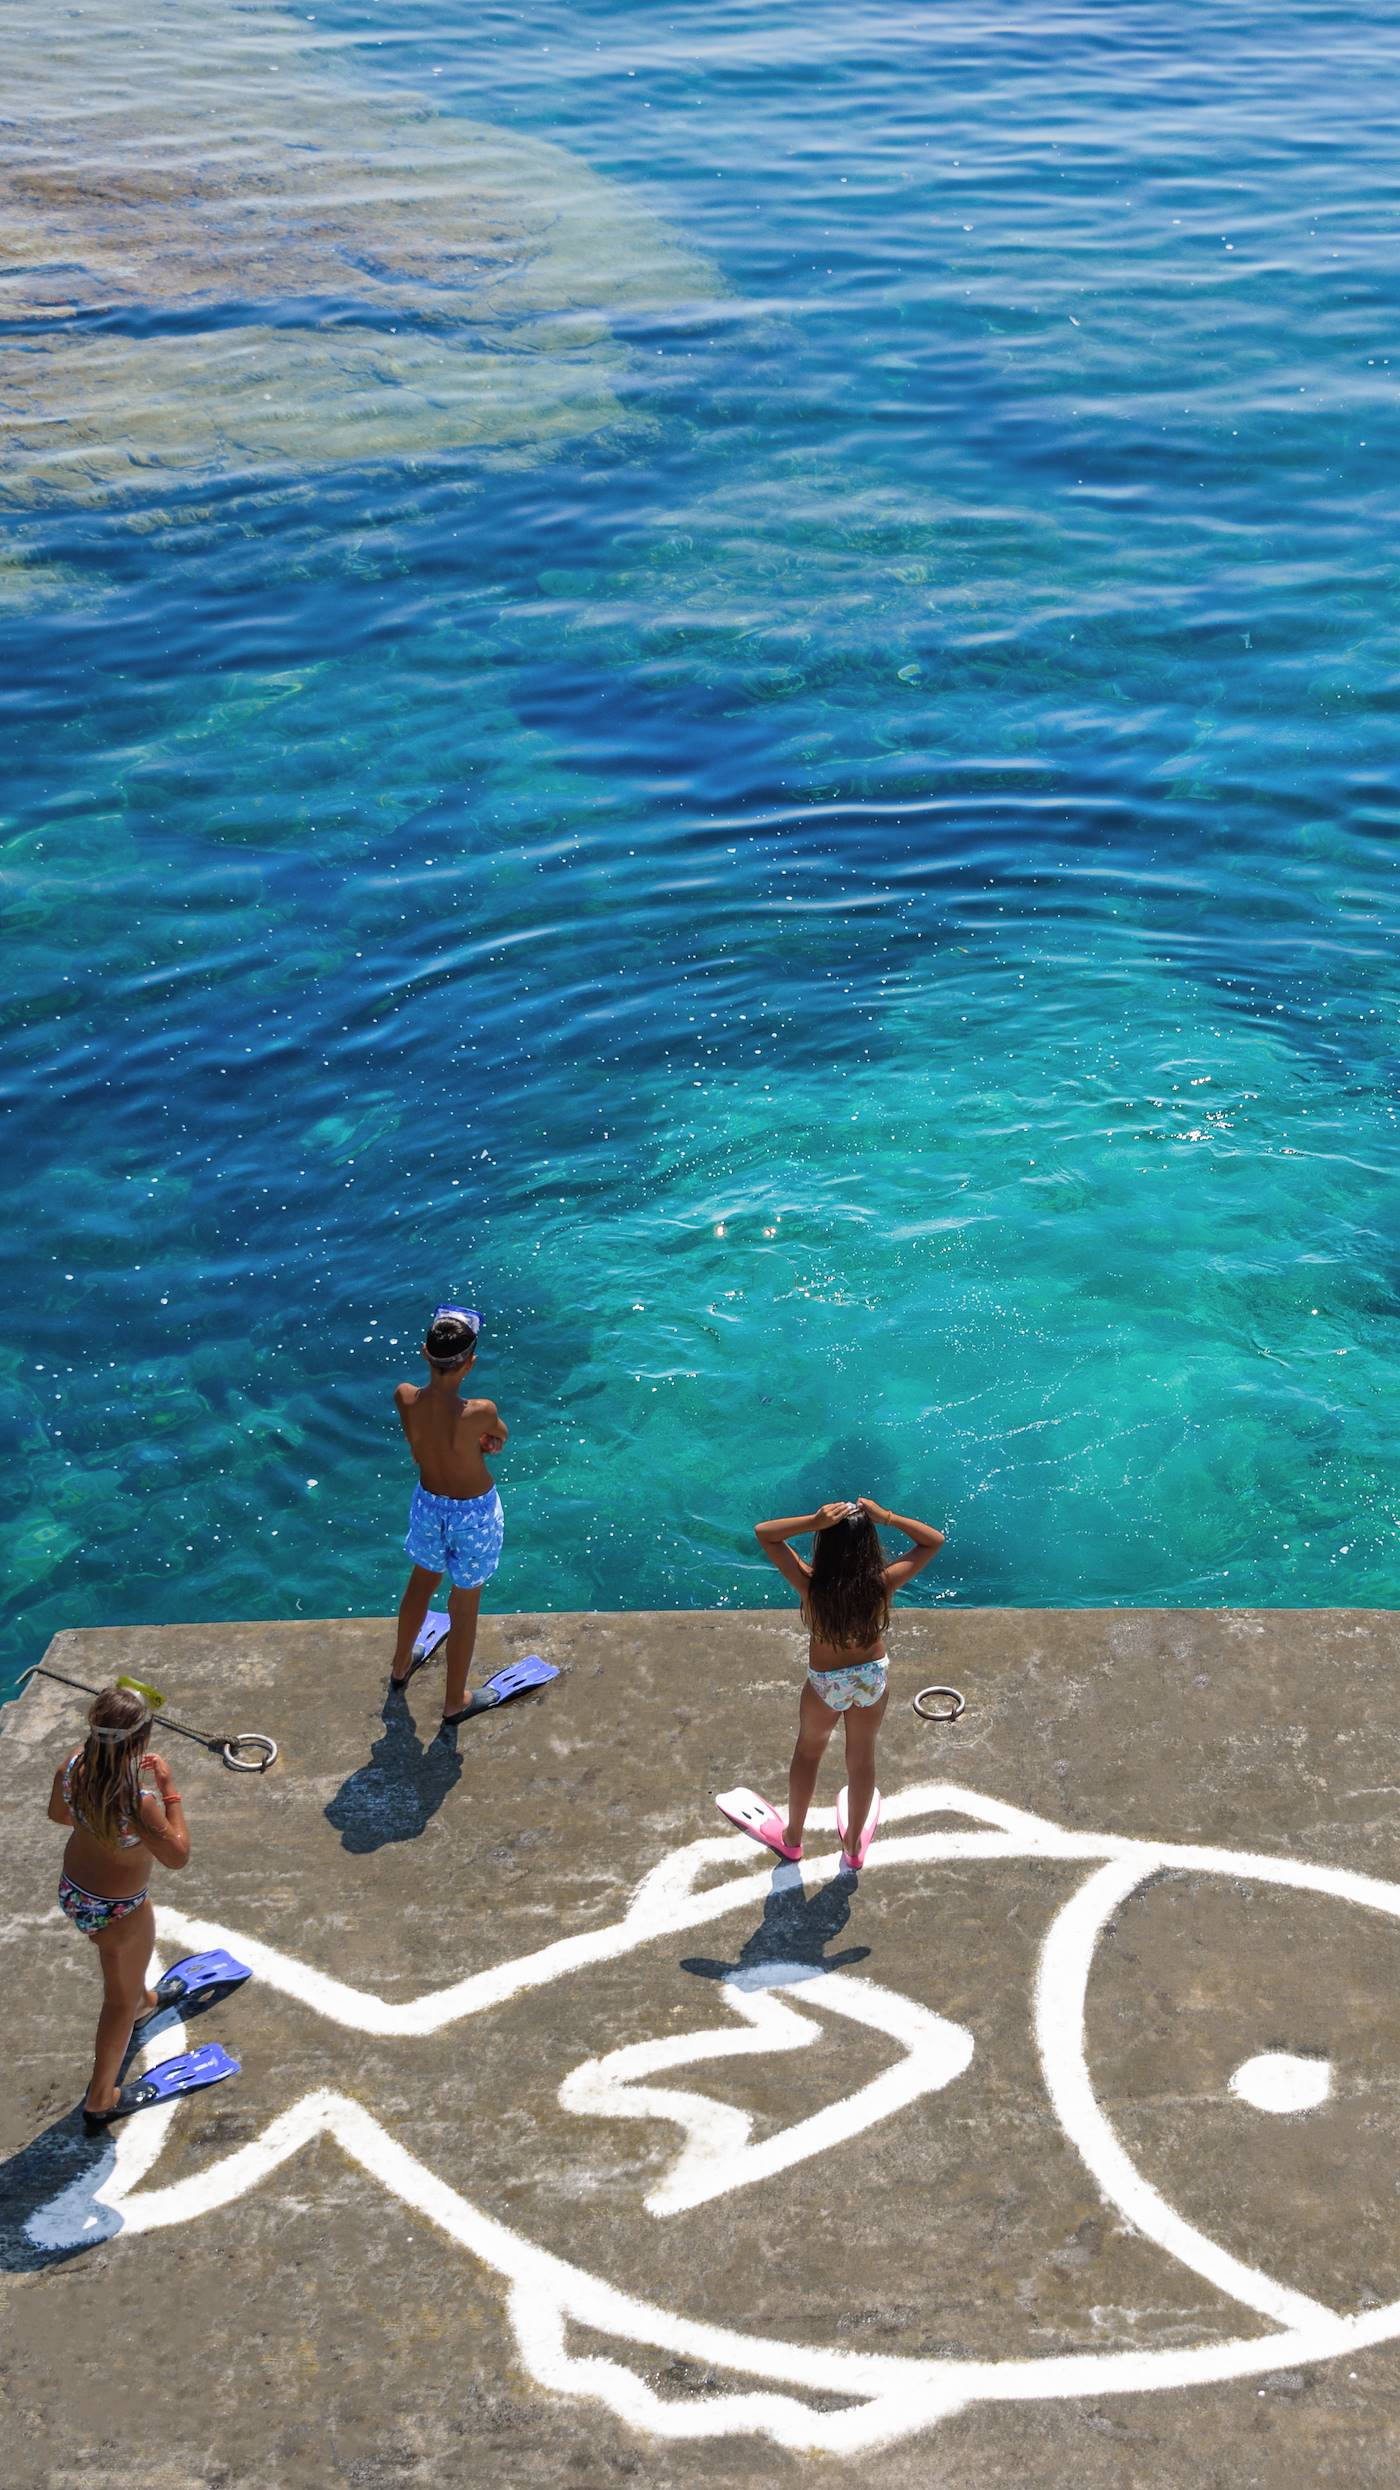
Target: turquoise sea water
x,y
730,684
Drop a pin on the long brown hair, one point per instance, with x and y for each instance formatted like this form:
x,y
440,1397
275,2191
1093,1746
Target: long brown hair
x,y
105,1790
847,1602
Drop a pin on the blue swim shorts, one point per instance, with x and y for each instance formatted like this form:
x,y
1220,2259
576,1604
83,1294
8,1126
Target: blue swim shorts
x,y
456,1535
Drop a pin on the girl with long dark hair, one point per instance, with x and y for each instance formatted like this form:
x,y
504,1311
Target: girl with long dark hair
x,y
118,1826
845,1593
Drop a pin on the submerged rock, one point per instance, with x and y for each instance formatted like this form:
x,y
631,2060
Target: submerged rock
x,y
223,253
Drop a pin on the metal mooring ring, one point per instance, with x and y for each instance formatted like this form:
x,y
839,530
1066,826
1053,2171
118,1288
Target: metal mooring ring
x,y
265,1752
954,1700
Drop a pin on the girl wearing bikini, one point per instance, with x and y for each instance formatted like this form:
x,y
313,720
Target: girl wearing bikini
x,y
845,1593
118,1827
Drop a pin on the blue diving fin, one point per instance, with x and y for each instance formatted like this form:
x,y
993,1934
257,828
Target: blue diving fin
x,y
519,1678
435,1626
189,2073
516,1679
199,1977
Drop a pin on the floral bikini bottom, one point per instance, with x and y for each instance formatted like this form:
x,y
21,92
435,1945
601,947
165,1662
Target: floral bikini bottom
x,y
91,1912
856,1688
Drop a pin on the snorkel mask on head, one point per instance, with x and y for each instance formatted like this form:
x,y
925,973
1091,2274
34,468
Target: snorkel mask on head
x,y
149,1696
460,1314
452,1337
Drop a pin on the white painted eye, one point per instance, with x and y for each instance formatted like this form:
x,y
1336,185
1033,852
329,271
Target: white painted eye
x,y
1281,2083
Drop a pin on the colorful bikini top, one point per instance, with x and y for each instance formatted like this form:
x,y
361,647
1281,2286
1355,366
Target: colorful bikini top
x,y
127,1836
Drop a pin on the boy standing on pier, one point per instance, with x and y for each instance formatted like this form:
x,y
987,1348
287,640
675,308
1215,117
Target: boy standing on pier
x,y
455,1524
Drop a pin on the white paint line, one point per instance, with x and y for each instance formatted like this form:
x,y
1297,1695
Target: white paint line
x,y
854,2430
891,2396
717,2154
898,2396
664,1904
1061,1986
669,1908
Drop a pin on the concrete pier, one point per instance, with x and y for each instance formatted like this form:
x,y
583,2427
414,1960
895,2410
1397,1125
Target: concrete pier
x,y
577,2141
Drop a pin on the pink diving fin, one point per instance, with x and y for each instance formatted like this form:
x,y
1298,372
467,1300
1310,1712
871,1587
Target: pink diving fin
x,y
857,1858
754,1816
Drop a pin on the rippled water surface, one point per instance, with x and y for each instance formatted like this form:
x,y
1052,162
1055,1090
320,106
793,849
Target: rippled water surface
x,y
726,678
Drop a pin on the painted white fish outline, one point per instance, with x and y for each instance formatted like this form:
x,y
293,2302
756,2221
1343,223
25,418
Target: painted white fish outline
x,y
717,2155
892,2396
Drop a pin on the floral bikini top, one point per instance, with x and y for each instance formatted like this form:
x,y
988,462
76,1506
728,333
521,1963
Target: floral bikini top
x,y
127,1835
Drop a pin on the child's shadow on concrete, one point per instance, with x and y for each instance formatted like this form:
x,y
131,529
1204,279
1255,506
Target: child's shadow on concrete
x,y
393,1796
63,2162
62,2170
794,1933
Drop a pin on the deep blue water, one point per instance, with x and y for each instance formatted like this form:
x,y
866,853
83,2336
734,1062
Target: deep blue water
x,y
772,753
